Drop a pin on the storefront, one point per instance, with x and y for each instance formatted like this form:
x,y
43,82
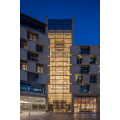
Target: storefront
x,y
85,104
32,103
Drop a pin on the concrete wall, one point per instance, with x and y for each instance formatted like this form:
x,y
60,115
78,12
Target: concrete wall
x,y
98,59
23,54
75,89
94,69
72,79
46,50
23,75
43,59
23,32
31,46
46,69
44,40
86,60
86,79
74,50
94,88
73,60
74,69
94,50
31,66
98,78
44,78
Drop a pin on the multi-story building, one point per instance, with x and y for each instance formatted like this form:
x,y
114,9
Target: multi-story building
x,y
57,75
34,64
85,78
61,34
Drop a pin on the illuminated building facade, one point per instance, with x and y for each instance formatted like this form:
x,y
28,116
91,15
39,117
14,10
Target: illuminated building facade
x,y
55,74
60,32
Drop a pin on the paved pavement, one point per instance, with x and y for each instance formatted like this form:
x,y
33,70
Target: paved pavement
x,y
55,116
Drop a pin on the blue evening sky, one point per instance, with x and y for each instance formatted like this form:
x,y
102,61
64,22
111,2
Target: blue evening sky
x,y
85,12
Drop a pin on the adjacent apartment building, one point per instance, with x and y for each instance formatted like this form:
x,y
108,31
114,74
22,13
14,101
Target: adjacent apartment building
x,y
55,74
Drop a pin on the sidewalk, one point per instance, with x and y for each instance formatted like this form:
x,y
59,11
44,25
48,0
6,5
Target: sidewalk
x,y
46,116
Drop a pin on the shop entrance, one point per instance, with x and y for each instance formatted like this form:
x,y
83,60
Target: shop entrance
x,y
59,106
32,103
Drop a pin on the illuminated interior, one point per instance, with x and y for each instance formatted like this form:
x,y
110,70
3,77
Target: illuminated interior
x,y
88,104
32,103
59,96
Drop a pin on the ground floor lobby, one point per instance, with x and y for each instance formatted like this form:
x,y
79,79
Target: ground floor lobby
x,y
79,104
32,103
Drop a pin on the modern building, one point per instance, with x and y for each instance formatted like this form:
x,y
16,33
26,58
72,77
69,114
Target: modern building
x,y
55,74
34,64
85,78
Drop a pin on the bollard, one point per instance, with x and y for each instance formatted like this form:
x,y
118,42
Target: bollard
x,y
90,114
50,113
29,113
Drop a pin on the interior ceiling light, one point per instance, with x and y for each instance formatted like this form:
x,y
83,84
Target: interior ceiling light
x,y
23,102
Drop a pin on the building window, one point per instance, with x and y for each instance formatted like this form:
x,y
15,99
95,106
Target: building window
x,y
23,44
33,77
32,56
59,24
93,79
79,79
39,68
84,88
85,104
23,65
85,50
92,60
79,60
84,70
32,36
39,49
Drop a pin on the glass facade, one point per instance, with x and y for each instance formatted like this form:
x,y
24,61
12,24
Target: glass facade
x,y
59,96
32,103
85,104
59,24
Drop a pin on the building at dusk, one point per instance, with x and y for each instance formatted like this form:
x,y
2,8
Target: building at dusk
x,y
55,74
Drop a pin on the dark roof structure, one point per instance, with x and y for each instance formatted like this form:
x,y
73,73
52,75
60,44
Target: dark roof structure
x,y
32,23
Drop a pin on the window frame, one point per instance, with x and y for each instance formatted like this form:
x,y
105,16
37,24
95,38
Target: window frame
x,y
85,89
93,80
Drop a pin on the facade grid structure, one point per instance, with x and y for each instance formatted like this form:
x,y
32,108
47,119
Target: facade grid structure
x,y
55,74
